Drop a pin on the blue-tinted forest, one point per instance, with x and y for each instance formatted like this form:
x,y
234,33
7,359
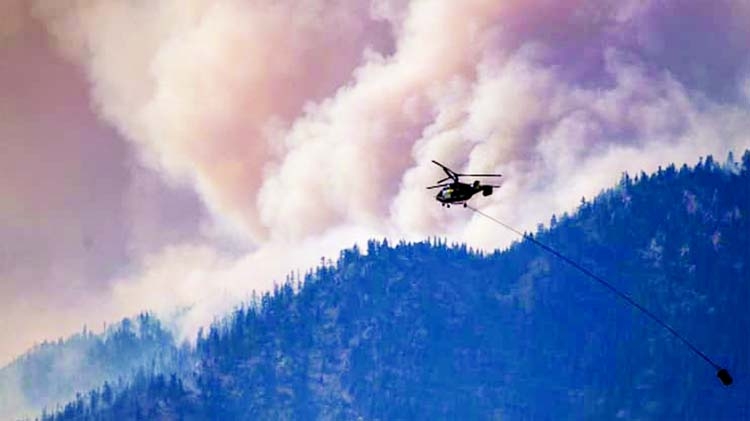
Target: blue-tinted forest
x,y
438,331
53,373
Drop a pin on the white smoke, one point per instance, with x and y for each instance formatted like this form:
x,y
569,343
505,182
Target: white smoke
x,y
309,123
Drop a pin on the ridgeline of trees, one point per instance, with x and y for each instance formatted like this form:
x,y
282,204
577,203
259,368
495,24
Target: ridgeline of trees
x,y
53,373
430,331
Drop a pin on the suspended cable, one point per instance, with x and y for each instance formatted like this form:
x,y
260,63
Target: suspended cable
x,y
721,373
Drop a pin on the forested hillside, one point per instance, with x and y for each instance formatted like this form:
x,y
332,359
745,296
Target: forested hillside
x,y
53,373
432,331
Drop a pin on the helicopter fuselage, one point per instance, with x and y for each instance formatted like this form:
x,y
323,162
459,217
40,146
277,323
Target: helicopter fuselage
x,y
458,193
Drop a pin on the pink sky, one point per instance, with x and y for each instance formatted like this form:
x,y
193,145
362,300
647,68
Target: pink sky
x,y
76,206
159,154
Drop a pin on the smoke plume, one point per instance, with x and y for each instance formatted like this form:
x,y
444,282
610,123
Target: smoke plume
x,y
314,122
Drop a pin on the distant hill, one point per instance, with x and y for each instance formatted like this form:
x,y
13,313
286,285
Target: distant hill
x,y
432,331
52,373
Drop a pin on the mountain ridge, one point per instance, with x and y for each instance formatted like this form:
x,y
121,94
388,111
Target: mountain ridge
x,y
425,330
53,372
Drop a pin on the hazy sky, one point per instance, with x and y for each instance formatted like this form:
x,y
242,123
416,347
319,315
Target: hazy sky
x,y
184,152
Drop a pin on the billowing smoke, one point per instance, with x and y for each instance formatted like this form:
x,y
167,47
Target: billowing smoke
x,y
201,85
301,122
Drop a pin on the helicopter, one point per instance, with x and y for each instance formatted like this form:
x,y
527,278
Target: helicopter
x,y
457,192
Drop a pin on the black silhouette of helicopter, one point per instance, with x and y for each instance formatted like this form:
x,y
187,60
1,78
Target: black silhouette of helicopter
x,y
457,192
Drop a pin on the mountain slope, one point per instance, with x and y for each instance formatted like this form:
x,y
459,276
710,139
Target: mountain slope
x,y
430,331
54,372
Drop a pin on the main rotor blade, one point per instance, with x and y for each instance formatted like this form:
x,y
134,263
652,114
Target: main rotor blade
x,y
451,174
438,185
446,179
479,175
439,164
